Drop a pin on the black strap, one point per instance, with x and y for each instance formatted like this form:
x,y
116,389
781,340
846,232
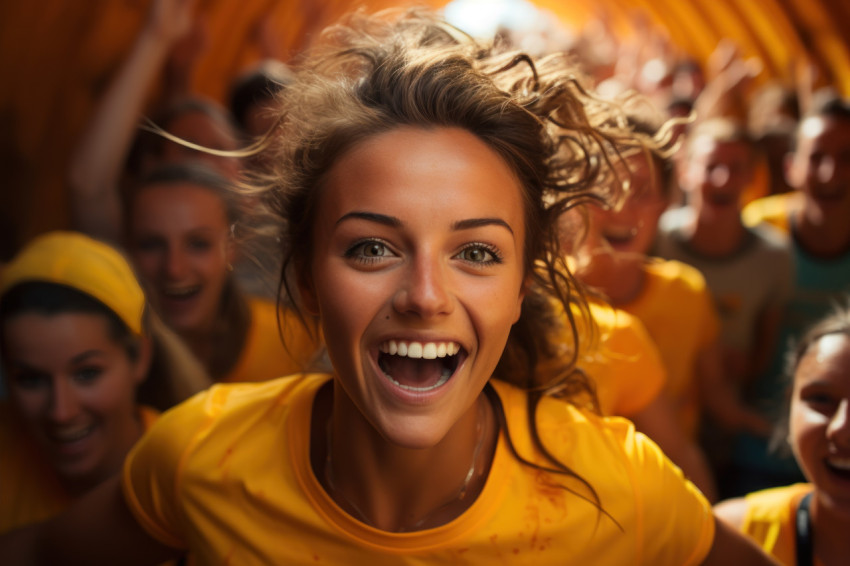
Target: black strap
x,y
805,538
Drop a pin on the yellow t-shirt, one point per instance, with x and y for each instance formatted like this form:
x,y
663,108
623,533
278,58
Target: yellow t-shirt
x,y
30,490
620,358
774,210
264,355
227,475
770,519
676,308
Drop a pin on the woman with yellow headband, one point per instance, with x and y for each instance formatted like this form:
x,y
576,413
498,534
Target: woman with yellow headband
x,y
77,343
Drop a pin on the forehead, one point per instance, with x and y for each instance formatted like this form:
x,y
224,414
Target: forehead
x,y
816,129
179,196
826,359
40,339
440,173
707,146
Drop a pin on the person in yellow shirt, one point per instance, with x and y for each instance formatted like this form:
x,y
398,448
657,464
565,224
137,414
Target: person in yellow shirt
x,y
807,523
420,185
180,224
669,297
77,344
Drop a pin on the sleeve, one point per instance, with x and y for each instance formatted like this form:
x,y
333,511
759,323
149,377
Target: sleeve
x,y
151,474
675,520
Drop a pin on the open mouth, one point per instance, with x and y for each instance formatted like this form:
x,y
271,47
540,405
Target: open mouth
x,y
181,293
722,199
620,236
67,436
419,366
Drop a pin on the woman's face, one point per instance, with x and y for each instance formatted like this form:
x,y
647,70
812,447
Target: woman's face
x,y
417,276
716,173
632,228
820,418
179,241
74,386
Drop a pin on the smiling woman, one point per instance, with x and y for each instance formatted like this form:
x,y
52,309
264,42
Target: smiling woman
x,y
419,182
77,344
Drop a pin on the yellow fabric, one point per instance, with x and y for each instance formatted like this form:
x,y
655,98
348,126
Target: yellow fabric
x,y
227,475
676,308
30,490
774,210
87,265
264,355
620,358
769,519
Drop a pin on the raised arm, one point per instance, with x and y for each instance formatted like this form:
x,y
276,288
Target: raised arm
x,y
97,529
97,162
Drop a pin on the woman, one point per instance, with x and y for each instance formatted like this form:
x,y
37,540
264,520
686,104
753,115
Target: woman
x,y
77,344
807,523
412,185
179,237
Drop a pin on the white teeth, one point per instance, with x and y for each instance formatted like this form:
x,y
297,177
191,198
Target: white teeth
x,y
419,350
840,463
71,435
429,352
180,291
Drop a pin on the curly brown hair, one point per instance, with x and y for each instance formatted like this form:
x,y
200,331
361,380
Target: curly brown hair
x,y
372,74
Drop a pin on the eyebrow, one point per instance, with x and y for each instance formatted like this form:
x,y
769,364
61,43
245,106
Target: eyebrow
x,y
394,222
82,356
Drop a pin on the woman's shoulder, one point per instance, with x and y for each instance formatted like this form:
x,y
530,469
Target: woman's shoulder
x,y
670,275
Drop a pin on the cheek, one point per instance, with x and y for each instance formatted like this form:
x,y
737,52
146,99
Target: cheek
x,y
32,404
806,428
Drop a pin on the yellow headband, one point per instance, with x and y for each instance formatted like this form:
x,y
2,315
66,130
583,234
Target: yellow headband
x,y
84,264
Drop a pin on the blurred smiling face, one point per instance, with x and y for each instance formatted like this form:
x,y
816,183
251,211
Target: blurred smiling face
x,y
179,241
631,228
821,164
820,419
718,172
417,275
74,386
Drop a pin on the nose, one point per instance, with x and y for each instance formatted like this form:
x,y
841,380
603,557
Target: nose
x,y
63,401
424,291
826,169
839,426
175,263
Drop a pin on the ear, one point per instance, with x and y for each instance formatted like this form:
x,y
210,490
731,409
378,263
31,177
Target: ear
x,y
523,291
142,363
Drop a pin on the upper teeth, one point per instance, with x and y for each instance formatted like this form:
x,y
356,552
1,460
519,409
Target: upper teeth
x,y
426,350
178,291
71,435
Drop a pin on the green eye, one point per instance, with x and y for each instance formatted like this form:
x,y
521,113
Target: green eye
x,y
480,254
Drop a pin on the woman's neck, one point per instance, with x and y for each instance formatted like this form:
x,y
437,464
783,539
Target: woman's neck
x,y
715,235
400,489
619,277
830,527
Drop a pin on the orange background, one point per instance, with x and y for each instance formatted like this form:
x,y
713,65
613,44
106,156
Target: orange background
x,y
56,56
